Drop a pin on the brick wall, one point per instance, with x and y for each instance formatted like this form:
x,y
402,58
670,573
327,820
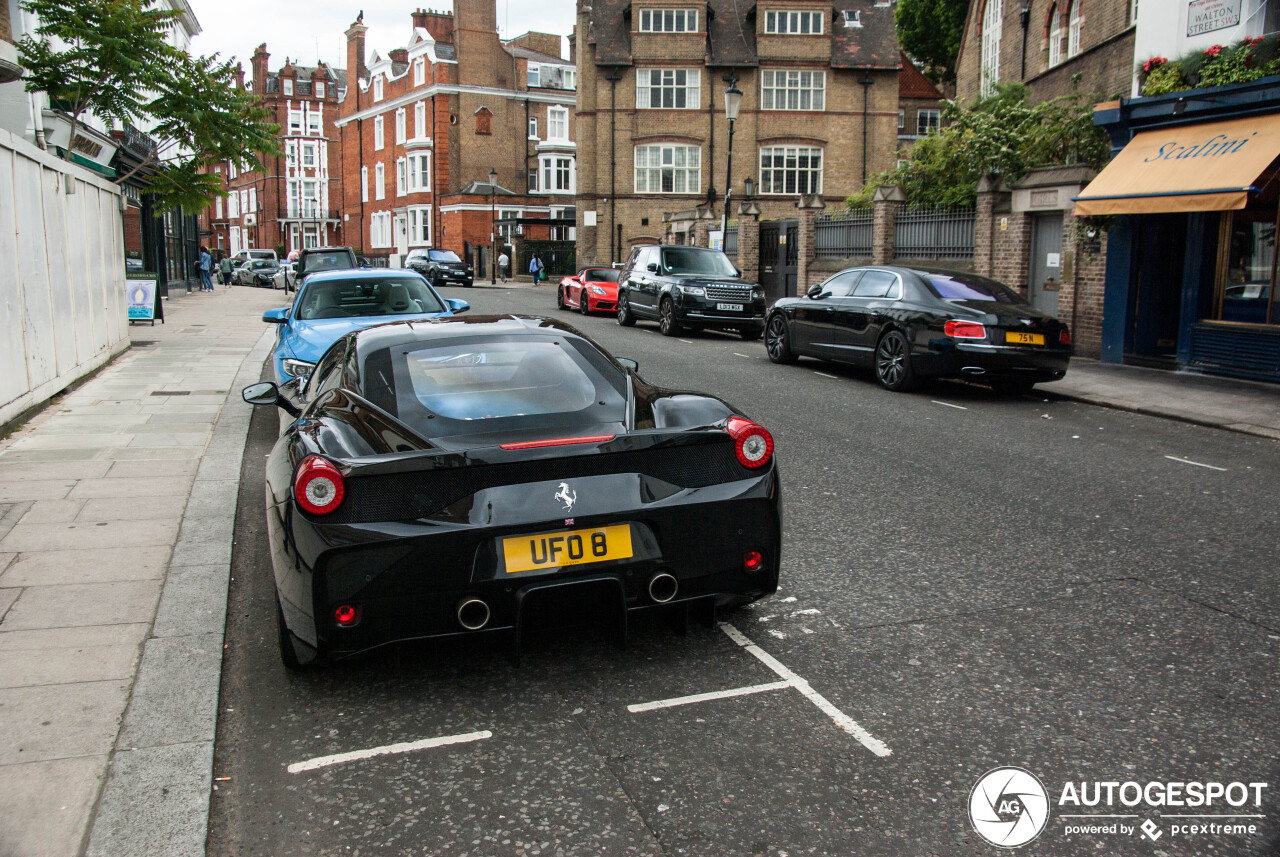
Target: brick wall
x,y
1011,250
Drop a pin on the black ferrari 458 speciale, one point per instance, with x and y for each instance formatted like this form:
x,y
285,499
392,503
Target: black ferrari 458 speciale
x,y
441,475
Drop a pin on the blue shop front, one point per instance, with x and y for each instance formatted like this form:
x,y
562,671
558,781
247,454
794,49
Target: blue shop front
x,y
1191,193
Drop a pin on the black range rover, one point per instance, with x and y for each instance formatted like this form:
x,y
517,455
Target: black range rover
x,y
441,267
694,287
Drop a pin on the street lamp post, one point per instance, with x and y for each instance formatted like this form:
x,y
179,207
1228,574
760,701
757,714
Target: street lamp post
x,y
732,101
493,229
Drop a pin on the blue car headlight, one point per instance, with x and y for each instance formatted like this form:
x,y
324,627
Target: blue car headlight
x,y
296,368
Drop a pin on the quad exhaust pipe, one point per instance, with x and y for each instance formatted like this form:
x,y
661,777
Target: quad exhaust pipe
x,y
473,614
974,370
663,587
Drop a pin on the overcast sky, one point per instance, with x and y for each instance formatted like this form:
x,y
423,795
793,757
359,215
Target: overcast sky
x,y
311,31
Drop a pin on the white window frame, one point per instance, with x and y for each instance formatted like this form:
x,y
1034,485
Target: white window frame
x,y
558,124
419,71
418,227
902,118
377,87
253,199
364,184
315,121
794,23
319,88
419,172
402,121
1073,30
667,21
928,119
294,205
379,133
310,235
793,89
668,88
379,181
654,161
309,155
295,122
558,173
380,229
420,120
310,198
992,25
217,208
785,180
286,86
233,206
1055,36
233,240
533,128
533,76
402,177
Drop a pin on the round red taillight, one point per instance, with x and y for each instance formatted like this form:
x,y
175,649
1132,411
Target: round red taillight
x,y
751,443
965,330
753,560
346,615
318,486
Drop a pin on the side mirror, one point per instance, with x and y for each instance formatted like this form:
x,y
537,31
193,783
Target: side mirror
x,y
280,315
264,393
364,263
653,266
628,363
458,305
814,292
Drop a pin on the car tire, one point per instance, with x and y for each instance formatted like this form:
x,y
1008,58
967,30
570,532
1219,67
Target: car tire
x,y
668,324
288,654
750,334
584,305
625,316
560,303
893,363
777,343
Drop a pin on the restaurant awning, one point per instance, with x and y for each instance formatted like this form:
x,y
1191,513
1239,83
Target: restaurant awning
x,y
1207,167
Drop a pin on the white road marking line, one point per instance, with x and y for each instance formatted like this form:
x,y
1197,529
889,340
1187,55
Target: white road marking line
x,y
949,405
1196,463
736,354
707,697
825,375
842,720
408,747
687,341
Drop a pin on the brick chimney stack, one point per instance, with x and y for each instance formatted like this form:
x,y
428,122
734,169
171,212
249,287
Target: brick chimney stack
x,y
355,52
398,55
259,63
481,58
240,77
438,24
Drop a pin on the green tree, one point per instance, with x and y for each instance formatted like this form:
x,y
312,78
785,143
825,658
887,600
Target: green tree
x,y
930,31
1002,135
110,58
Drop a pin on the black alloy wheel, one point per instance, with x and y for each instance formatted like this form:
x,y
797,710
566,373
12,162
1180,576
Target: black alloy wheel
x,y
668,325
776,343
583,306
893,363
625,317
560,298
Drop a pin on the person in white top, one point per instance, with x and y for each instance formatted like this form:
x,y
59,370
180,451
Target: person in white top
x,y
503,262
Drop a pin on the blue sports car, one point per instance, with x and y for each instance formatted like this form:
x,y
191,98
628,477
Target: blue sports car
x,y
332,304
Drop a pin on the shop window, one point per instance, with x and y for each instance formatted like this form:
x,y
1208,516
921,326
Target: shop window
x,y
1246,279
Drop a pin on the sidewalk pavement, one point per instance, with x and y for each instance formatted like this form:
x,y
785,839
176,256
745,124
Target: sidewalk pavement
x,y
116,511
1251,407
117,506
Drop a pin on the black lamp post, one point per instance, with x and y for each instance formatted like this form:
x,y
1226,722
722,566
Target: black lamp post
x,y
493,229
732,101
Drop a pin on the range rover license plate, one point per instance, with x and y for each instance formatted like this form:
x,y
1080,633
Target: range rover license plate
x,y
729,307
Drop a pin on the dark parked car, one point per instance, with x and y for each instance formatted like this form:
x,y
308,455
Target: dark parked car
x,y
312,260
257,272
447,473
691,287
441,267
909,323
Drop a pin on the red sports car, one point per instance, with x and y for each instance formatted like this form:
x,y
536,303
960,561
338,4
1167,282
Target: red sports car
x,y
591,290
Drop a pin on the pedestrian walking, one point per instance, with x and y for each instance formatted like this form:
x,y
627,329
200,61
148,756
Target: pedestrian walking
x,y
224,267
536,268
503,262
206,268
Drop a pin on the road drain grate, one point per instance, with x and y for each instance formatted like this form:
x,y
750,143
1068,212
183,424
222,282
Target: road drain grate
x,y
171,392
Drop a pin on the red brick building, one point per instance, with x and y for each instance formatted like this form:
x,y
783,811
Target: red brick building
x,y
295,202
422,126
920,106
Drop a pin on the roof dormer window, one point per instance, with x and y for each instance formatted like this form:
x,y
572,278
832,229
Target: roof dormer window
x,y
288,86
668,20
794,23
377,88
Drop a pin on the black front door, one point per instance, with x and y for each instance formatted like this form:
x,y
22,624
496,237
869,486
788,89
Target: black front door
x,y
779,243
1161,252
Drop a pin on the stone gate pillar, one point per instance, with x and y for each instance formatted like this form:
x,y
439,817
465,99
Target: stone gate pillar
x,y
749,241
805,251
885,205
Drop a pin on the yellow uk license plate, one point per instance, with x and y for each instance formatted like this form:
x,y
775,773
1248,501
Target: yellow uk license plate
x,y
567,547
1017,337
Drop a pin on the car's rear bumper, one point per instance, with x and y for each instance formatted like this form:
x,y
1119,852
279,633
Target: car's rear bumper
x,y
979,360
408,579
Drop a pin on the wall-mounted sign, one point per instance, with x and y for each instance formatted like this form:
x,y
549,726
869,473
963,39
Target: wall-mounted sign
x,y
1004,223
589,218
1053,260
1205,16
1044,198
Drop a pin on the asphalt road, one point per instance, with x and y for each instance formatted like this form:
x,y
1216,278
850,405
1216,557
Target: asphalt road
x,y
976,581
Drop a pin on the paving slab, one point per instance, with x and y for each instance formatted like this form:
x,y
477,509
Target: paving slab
x,y
35,489
148,486
175,699
95,534
67,665
106,565
60,721
51,471
194,601
87,637
163,808
59,793
73,605
53,511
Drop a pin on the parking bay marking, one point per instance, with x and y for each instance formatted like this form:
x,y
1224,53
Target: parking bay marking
x,y
789,679
389,749
949,405
825,375
1196,463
